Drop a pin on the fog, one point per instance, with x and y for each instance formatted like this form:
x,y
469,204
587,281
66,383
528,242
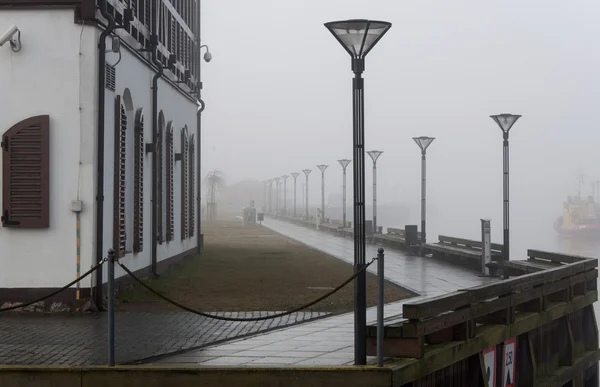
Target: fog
x,y
278,100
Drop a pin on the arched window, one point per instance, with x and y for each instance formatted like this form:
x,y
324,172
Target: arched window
x,y
169,177
159,177
192,197
184,183
138,181
120,152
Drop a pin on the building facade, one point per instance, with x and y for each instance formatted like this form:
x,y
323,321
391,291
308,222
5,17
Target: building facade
x,y
99,116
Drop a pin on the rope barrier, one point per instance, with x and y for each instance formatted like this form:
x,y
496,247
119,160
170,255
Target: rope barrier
x,y
54,292
222,318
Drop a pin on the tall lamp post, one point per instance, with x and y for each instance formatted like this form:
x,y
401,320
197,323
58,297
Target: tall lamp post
x,y
277,180
270,200
505,122
423,142
295,176
284,178
322,168
344,163
374,156
358,37
266,183
306,173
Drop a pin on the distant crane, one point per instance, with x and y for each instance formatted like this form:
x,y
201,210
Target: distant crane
x,y
215,181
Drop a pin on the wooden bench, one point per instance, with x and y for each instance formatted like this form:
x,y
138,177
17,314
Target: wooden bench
x,y
452,248
393,237
333,226
519,304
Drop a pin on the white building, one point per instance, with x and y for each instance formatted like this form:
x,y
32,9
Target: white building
x,y
84,84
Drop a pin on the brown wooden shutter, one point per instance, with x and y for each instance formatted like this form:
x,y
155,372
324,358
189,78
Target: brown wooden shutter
x,y
120,149
159,171
184,183
192,198
26,174
170,172
138,171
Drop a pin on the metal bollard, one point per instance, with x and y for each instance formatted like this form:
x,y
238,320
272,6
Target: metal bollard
x,y
486,252
111,307
380,284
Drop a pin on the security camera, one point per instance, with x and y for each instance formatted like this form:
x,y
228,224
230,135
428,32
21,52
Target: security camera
x,y
207,56
7,36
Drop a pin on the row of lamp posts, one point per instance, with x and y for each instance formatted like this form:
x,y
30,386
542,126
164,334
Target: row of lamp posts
x,y
358,37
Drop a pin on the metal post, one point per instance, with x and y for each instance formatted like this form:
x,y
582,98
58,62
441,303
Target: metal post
x,y
375,197
322,196
306,208
344,201
295,175
423,198
277,199
360,303
506,247
380,301
111,307
285,177
486,250
265,202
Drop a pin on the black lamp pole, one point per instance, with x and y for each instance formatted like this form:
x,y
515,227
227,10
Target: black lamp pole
x,y
295,176
358,37
344,163
306,173
505,122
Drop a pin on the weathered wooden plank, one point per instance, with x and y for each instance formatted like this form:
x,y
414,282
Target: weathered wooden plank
x,y
439,356
469,243
564,374
397,347
436,305
396,231
554,257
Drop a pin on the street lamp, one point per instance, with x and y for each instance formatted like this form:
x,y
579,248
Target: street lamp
x,y
295,176
344,163
358,37
505,122
277,180
270,190
374,156
322,167
423,142
307,172
266,183
285,177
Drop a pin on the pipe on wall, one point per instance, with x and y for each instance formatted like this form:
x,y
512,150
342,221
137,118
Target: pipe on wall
x,y
157,76
100,150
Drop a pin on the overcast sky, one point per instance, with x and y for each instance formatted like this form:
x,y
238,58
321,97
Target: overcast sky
x,y
278,97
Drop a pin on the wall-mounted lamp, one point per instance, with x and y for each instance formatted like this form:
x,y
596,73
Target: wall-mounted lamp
x,y
8,36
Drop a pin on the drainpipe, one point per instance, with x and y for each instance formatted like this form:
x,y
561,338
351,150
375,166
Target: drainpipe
x,y
159,73
100,155
199,239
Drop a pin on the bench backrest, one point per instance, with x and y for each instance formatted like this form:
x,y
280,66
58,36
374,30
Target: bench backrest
x,y
496,247
336,222
554,257
395,231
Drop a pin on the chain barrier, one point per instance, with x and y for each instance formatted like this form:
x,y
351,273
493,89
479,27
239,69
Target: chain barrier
x,y
222,318
23,305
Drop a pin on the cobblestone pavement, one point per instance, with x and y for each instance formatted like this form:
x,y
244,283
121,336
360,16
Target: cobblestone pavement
x,y
82,340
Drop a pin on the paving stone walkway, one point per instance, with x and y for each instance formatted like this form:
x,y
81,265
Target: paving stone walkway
x,y
67,340
329,341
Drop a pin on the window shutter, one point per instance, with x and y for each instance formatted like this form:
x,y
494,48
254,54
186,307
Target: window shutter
x,y
119,230
159,171
170,171
26,174
184,183
138,170
192,216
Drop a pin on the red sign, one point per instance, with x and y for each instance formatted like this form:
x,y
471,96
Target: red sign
x,y
510,361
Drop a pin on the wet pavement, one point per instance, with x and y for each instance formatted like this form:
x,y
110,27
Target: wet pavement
x,y
69,340
329,341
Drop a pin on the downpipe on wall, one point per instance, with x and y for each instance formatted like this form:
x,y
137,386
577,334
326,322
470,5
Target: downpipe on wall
x,y
98,296
199,237
157,76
